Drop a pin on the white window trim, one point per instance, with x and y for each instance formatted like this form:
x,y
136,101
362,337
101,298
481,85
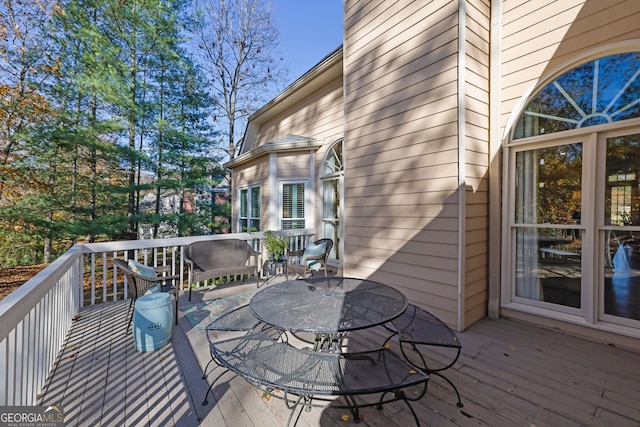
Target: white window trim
x,y
320,214
308,199
591,312
248,187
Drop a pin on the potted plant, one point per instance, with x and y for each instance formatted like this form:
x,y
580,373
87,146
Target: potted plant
x,y
275,245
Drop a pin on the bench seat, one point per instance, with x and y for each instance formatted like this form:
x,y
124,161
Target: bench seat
x,y
274,365
209,259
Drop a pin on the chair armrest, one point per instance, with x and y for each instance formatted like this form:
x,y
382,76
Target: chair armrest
x,y
257,255
163,269
315,258
154,280
295,253
253,252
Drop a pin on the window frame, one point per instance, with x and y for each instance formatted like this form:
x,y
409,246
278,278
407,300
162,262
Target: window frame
x,y
337,175
305,204
251,219
592,226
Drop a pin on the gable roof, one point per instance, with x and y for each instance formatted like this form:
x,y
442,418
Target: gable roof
x,y
329,68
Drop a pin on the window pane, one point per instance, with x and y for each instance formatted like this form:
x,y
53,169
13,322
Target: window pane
x,y
288,224
603,91
243,203
548,265
333,162
622,196
293,201
548,185
622,274
255,202
331,208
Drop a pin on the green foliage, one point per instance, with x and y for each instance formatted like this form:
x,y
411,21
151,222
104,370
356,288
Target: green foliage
x,y
116,109
274,244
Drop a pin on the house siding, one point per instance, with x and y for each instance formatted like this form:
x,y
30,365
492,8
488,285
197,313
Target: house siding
x,y
538,37
318,116
422,141
401,142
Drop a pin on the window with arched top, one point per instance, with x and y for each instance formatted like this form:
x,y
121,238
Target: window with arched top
x,y
332,179
602,91
573,196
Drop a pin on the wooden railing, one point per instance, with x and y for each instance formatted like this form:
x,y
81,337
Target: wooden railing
x,y
35,318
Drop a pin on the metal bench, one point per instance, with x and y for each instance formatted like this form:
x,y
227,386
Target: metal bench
x,y
307,375
417,330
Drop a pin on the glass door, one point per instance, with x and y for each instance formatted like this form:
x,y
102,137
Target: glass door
x,y
620,230
547,233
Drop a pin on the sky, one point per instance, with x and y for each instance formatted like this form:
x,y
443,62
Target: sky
x,y
309,31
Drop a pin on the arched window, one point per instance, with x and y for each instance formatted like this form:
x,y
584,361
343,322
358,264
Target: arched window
x,y
602,91
574,197
331,176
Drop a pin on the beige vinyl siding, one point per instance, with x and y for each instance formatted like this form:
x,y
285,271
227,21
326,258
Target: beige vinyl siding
x,y
293,165
476,142
540,36
401,148
317,116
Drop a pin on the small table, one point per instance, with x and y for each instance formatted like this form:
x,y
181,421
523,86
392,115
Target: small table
x,y
272,266
327,307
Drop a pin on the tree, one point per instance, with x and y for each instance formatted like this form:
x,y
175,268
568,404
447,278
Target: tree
x,y
237,42
23,50
179,136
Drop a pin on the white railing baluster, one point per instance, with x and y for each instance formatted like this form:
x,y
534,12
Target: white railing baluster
x,y
35,319
93,279
4,371
104,277
115,279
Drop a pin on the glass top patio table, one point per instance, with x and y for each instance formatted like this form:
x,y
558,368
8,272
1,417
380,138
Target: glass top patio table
x,y
325,305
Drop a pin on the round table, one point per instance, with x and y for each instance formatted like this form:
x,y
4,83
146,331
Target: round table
x,y
327,305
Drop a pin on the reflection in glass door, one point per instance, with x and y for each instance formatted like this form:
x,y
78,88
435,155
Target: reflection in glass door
x,y
547,233
621,235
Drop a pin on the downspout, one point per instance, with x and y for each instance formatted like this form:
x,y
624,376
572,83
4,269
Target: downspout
x,y
495,226
462,215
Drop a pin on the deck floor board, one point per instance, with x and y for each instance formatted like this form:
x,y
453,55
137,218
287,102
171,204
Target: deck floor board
x,y
509,374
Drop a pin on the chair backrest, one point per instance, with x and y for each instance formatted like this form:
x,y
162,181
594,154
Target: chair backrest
x,y
138,283
209,254
130,275
328,244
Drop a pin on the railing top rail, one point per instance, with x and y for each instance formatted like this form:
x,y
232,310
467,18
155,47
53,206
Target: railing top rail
x,y
125,245
15,306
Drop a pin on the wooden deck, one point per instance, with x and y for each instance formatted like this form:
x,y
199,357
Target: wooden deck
x,y
509,374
